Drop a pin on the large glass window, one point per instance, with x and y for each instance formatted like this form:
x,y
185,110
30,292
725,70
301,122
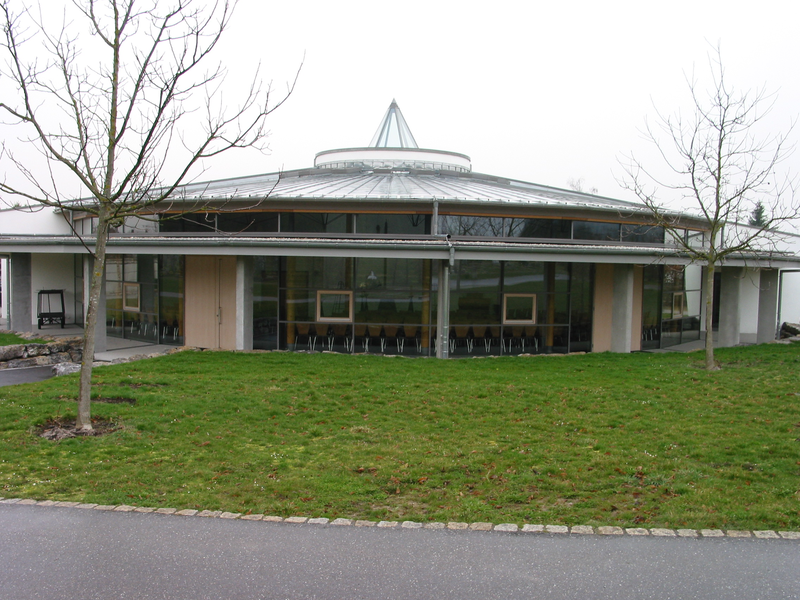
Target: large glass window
x,y
589,230
266,277
646,234
383,224
539,228
132,297
471,226
171,273
316,223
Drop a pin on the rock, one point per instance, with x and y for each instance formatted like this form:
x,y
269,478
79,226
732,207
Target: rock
x,y
65,368
12,352
790,329
37,350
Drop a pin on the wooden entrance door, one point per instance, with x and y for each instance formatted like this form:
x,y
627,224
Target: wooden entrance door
x,y
211,302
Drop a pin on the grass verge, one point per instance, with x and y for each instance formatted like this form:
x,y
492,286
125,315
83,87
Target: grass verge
x,y
598,439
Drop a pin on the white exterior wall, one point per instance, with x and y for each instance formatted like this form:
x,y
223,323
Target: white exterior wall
x,y
748,305
4,288
44,221
53,272
790,298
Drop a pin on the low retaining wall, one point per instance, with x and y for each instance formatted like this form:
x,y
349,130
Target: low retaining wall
x,y
54,352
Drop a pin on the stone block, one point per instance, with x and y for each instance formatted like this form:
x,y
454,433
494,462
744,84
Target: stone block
x,y
457,526
712,533
637,531
230,515
411,525
363,523
556,529
37,350
86,505
790,535
529,528
661,532
609,530
166,511
144,509
29,501
272,519
318,521
125,508
766,535
435,525
737,533
295,519
252,517
480,526
342,522
508,527
11,352
105,507
687,533
388,524
582,529
187,512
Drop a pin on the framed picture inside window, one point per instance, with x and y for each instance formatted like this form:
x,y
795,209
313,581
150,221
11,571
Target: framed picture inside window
x,y
677,305
519,309
334,306
130,297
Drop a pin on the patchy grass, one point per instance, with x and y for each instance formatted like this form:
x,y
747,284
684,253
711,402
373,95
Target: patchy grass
x,y
10,339
599,439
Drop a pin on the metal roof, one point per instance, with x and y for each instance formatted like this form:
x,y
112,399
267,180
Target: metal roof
x,y
357,184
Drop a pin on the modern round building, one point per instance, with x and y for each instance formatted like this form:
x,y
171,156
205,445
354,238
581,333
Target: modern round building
x,y
397,249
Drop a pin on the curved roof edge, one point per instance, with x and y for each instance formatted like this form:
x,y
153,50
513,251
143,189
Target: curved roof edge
x,y
411,158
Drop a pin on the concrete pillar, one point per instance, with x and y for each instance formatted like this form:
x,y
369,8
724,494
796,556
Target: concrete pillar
x,y
729,306
443,312
244,303
767,306
622,309
21,313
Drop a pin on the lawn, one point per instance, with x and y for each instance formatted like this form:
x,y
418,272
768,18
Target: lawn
x,y
598,439
8,339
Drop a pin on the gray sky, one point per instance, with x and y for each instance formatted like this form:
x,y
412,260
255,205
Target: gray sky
x,y
537,91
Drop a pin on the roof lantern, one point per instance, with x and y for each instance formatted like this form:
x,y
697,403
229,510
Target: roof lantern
x,y
393,131
394,148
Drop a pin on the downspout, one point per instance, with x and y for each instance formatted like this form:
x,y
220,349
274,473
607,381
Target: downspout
x,y
443,346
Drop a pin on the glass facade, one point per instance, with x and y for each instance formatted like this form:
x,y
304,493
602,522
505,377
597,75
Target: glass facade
x,y
671,305
388,224
145,297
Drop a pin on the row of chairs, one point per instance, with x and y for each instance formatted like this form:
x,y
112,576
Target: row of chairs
x,y
330,334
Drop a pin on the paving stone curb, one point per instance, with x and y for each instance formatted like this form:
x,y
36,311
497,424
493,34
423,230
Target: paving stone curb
x,y
526,528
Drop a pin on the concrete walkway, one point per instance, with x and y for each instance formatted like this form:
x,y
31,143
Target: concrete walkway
x,y
52,552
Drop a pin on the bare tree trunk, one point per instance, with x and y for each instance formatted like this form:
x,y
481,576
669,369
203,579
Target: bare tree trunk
x,y
84,420
711,364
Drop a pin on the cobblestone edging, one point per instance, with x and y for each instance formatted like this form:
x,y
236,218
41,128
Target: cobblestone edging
x,y
457,526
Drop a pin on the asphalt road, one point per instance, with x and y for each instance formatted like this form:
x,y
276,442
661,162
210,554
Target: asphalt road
x,y
27,375
48,552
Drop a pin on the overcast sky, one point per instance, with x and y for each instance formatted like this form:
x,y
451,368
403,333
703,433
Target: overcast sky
x,y
537,91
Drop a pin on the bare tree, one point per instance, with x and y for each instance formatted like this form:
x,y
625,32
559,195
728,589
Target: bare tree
x,y
127,102
717,161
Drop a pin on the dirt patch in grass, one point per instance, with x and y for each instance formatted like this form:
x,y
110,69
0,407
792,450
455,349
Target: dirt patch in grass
x,y
59,429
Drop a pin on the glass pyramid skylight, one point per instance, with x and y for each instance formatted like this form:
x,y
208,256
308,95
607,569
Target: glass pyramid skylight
x,y
393,131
